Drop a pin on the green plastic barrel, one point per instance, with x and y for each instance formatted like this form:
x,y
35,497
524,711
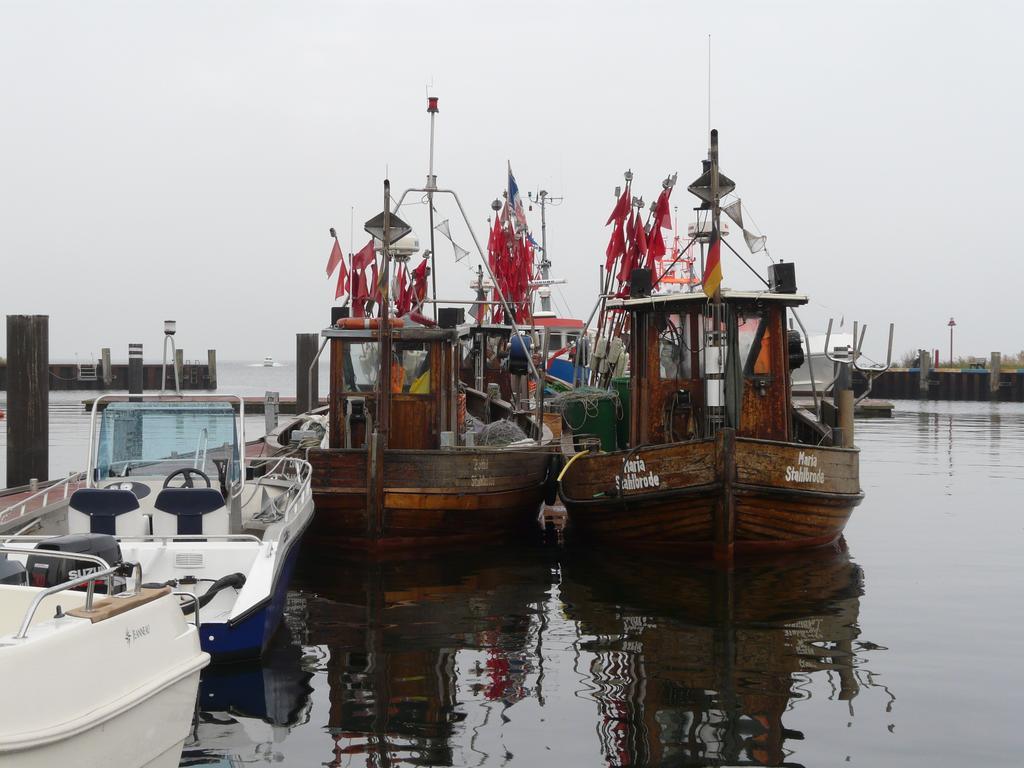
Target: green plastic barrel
x,y
620,384
594,417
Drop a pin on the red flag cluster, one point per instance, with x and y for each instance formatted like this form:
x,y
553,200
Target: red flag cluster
x,y
360,282
632,244
510,257
410,288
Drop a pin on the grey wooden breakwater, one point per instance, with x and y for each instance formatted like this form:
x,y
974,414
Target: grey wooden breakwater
x,y
104,375
951,384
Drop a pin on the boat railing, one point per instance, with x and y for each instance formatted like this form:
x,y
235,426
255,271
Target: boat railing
x,y
51,494
243,537
195,604
298,471
88,580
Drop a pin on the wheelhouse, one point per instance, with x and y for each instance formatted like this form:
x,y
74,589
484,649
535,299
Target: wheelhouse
x,y
423,386
697,366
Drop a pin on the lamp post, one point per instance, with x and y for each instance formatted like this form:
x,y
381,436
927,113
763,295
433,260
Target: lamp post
x,y
952,325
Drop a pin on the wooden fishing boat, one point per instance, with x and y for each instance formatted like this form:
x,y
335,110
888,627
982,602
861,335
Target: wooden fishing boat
x,y
717,456
411,491
404,465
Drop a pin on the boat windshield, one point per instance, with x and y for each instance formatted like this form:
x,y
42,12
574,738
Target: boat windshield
x,y
159,438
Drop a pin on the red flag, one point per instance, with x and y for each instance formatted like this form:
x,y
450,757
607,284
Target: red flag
x,y
377,291
400,288
364,257
621,209
616,247
662,214
342,287
336,258
629,257
640,238
417,292
360,291
656,247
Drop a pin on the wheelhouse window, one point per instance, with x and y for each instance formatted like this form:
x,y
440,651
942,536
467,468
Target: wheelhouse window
x,y
674,352
361,366
410,367
755,342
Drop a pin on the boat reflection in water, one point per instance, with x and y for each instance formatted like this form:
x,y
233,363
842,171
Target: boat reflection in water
x,y
698,666
414,645
246,711
515,656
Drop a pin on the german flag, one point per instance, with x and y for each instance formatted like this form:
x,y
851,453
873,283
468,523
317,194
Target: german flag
x,y
713,266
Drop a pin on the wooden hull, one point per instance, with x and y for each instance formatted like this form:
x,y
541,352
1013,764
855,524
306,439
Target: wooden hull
x,y
430,498
725,495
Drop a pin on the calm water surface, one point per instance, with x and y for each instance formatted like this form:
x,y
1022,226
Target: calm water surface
x,y
902,647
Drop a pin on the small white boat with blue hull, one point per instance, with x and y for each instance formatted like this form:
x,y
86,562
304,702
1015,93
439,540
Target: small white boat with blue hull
x,y
168,479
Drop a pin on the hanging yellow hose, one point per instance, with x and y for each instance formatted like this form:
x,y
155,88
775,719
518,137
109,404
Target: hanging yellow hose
x,y
569,464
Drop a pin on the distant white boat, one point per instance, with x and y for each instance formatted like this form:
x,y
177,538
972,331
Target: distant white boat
x,y
268,362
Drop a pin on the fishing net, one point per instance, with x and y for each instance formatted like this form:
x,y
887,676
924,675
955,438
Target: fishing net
x,y
501,432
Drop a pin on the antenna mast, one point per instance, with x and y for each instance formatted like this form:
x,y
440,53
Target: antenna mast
x,y
430,187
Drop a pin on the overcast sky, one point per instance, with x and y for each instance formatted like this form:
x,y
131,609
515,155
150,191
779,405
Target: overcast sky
x,y
185,160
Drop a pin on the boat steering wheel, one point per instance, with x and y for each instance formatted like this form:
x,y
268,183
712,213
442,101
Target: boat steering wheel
x,y
187,472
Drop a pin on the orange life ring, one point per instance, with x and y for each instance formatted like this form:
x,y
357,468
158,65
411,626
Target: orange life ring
x,y
366,323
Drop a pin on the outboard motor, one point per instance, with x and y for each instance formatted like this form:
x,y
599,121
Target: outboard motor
x,y
12,572
46,571
796,350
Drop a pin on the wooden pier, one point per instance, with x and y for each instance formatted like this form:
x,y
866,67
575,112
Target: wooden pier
x,y
195,375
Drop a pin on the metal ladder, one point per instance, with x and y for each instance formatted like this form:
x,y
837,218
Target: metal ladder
x,y
714,354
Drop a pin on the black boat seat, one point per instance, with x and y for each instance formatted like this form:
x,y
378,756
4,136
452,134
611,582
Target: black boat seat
x,y
190,512
112,511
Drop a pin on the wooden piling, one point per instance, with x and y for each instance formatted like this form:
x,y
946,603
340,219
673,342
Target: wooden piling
x,y
108,372
28,398
211,368
923,363
179,366
995,375
135,369
307,394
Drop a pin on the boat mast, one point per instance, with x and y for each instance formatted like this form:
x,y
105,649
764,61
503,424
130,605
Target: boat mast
x,y
380,437
430,187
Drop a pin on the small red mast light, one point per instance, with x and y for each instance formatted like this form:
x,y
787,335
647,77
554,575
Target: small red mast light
x,y
431,103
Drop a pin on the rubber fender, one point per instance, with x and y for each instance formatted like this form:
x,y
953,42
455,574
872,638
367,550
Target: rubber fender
x,y
551,479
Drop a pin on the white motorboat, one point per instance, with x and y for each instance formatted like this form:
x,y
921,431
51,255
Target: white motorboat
x,y
167,478
93,681
268,362
816,361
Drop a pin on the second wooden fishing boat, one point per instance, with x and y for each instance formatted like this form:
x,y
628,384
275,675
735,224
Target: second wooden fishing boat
x,y
717,457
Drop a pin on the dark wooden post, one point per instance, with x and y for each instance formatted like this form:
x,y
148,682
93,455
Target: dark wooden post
x,y
307,395
211,368
179,367
108,372
135,369
28,398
